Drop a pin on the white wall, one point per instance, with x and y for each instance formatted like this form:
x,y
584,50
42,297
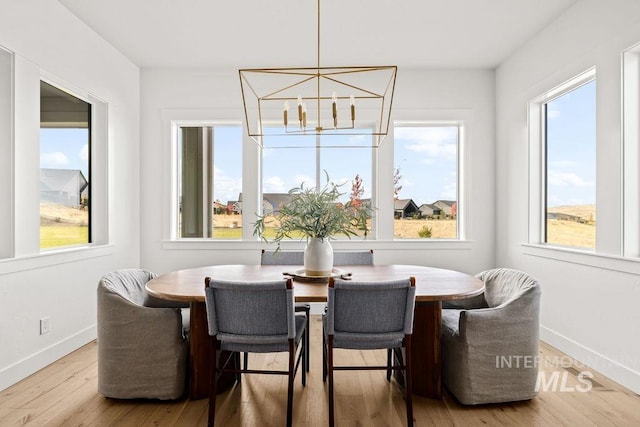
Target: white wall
x,y
420,94
590,303
48,40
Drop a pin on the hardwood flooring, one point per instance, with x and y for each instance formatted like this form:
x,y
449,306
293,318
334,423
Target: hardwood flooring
x,y
65,394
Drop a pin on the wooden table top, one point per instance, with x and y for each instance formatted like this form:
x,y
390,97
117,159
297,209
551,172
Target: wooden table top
x,y
432,284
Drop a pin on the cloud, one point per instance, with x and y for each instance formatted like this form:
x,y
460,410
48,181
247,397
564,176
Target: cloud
x,y
274,184
84,153
435,142
306,179
565,179
225,187
54,159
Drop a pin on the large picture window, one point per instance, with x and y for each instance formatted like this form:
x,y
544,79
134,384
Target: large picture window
x,y
426,180
346,160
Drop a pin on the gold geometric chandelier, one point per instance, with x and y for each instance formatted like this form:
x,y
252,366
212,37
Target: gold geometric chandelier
x,y
346,101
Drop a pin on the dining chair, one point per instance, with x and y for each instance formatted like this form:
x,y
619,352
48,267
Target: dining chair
x,y
369,316
340,258
501,324
254,317
143,346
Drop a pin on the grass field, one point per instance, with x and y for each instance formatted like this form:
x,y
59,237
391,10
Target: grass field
x,y
62,226
572,233
63,235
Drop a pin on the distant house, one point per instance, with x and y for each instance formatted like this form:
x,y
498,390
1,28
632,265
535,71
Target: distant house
x,y
565,217
405,208
445,206
270,203
233,206
430,210
65,187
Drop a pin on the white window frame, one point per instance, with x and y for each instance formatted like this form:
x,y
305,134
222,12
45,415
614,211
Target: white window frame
x,y
537,156
631,151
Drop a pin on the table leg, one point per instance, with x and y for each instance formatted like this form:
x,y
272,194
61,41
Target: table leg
x,y
426,350
426,363
200,355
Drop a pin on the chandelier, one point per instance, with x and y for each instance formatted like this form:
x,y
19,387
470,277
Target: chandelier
x,y
351,101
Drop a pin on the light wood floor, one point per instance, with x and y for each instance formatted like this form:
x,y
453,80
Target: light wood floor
x,y
65,394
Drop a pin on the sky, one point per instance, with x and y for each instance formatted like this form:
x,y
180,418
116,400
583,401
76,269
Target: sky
x,y
571,148
64,149
425,155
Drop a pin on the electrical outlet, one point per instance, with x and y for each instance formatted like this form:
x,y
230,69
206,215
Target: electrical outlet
x,y
45,325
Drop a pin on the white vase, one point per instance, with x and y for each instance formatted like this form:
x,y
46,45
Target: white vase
x,y
318,257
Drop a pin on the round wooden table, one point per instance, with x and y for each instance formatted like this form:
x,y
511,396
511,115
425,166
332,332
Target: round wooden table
x,y
433,285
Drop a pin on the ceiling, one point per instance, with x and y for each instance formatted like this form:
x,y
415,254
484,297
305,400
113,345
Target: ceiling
x,y
276,33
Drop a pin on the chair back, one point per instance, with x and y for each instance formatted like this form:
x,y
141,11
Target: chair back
x,y
297,258
248,312
504,285
370,307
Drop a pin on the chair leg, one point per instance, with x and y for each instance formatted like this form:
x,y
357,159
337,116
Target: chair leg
x,y
236,362
408,381
246,361
305,361
212,384
292,360
330,369
389,363
324,357
306,335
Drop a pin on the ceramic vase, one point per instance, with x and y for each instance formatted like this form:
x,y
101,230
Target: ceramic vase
x,y
318,257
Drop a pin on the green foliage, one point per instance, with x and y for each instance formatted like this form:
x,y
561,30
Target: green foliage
x,y
425,232
313,213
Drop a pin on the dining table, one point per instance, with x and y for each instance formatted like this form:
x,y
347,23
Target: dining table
x,y
433,286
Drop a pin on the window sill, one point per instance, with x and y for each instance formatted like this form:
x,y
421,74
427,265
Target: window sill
x,y
582,257
414,244
53,257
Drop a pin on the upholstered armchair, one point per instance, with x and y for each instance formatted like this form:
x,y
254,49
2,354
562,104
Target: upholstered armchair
x,y
490,342
142,341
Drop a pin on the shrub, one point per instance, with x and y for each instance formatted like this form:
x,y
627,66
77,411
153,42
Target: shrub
x,y
424,232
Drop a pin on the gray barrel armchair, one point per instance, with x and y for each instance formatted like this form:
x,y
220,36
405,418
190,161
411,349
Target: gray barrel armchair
x,y
142,341
490,342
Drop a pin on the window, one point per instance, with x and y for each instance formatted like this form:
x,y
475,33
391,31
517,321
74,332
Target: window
x,y
209,181
65,148
569,138
6,153
426,180
348,162
562,134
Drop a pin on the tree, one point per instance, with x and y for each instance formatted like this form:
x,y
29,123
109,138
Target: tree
x,y
357,190
396,183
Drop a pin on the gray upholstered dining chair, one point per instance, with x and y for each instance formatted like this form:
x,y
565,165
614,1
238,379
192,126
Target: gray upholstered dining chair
x,y
368,316
142,341
490,342
254,318
340,258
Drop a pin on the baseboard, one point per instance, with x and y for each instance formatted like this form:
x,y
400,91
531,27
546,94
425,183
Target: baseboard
x,y
612,369
31,364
